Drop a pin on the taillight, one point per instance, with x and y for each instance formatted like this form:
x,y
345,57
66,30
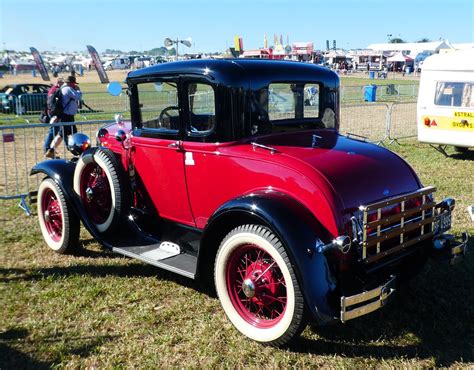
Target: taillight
x,y
427,122
414,202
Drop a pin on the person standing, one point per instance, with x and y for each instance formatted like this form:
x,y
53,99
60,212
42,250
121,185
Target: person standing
x,y
52,131
71,97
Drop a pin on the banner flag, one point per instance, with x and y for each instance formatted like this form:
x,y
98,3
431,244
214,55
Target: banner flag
x,y
98,65
237,43
40,64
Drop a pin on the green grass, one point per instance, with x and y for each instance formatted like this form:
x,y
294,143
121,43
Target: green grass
x,y
97,309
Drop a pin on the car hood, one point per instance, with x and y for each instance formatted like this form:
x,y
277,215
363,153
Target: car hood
x,y
359,172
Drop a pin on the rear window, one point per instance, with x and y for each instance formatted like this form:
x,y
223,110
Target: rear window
x,y
291,106
291,101
455,94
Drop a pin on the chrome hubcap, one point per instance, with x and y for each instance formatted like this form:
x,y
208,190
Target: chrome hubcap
x,y
89,194
249,288
47,218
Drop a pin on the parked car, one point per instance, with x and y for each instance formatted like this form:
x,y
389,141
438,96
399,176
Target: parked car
x,y
226,174
23,98
117,63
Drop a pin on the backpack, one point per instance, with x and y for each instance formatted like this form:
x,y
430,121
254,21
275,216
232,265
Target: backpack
x,y
54,103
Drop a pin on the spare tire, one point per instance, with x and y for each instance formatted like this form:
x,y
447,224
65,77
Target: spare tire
x,y
101,183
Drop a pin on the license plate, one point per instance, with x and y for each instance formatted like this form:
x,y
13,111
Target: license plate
x,y
442,223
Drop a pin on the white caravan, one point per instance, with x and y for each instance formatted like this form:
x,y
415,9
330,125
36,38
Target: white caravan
x,y
445,114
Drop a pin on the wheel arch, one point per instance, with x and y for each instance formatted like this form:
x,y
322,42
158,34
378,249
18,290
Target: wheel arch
x,y
296,227
61,172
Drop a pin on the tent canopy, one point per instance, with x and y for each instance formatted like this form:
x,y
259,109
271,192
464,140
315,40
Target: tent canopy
x,y
399,57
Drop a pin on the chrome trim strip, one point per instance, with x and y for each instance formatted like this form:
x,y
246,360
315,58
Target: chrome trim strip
x,y
390,251
398,199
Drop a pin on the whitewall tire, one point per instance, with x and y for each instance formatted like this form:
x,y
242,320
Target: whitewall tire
x,y
99,182
58,223
257,286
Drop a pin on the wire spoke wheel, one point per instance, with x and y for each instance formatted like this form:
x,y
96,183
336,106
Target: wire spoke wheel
x,y
257,286
58,223
100,182
96,193
52,214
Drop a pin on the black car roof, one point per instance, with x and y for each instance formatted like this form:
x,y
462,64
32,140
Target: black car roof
x,y
241,72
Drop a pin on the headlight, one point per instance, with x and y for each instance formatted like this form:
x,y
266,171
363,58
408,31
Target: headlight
x,y
78,143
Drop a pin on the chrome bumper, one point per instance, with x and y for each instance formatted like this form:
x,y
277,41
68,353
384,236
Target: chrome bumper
x,y
456,250
366,302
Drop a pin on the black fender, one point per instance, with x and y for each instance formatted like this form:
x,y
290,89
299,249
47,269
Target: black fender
x,y
298,230
62,172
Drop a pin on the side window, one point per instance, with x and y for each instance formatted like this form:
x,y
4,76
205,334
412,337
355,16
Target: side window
x,y
455,94
158,102
202,109
293,100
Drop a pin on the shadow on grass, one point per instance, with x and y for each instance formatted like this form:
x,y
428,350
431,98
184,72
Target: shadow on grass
x,y
11,358
133,269
430,318
468,155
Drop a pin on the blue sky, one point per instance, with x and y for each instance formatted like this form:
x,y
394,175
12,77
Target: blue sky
x,y
144,24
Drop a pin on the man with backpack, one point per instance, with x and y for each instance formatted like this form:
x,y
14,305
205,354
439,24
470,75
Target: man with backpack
x,y
48,114
64,105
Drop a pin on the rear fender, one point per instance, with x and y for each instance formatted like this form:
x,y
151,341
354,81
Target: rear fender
x,y
298,230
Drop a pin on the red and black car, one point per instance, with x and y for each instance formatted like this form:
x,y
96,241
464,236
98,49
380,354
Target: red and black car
x,y
234,172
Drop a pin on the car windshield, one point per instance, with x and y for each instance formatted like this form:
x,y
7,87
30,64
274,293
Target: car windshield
x,y
291,106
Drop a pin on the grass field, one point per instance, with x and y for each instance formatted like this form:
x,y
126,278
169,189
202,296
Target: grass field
x,y
101,310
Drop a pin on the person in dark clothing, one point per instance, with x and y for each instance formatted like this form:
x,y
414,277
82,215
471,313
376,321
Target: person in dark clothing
x,y
70,98
52,131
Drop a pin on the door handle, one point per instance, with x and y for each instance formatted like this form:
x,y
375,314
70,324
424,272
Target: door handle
x,y
178,145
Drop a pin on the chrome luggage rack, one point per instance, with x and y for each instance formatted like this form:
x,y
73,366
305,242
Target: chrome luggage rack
x,y
387,228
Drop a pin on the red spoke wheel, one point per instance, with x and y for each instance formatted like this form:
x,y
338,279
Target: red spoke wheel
x,y
96,193
99,180
58,222
257,287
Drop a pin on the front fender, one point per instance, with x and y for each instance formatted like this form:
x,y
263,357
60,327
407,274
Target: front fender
x,y
62,172
298,230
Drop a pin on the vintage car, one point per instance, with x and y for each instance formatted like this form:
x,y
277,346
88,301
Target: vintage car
x,y
23,98
233,172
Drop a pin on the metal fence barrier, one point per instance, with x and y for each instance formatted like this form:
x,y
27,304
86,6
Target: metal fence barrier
x,y
402,121
21,146
368,121
388,92
29,106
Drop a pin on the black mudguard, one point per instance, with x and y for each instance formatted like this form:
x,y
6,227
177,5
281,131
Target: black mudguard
x,y
299,230
62,172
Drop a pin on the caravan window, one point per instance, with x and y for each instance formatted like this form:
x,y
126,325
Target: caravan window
x,y
455,94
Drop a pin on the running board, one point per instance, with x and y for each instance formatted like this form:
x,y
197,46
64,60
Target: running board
x,y
164,255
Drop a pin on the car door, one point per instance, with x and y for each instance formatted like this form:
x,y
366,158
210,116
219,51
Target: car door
x,y
212,178
157,152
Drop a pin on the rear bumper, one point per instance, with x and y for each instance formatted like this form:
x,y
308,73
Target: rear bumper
x,y
446,247
366,302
